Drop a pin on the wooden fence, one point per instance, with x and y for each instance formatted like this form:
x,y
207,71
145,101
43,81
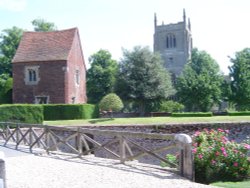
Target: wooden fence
x,y
47,138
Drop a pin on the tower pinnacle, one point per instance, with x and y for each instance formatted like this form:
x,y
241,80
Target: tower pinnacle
x,y
189,24
184,16
155,20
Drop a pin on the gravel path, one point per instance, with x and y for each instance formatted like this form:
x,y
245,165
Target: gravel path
x,y
30,171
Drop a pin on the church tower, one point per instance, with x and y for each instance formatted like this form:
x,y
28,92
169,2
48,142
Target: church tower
x,y
174,42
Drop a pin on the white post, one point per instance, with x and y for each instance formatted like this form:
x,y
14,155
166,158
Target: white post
x,y
2,171
184,142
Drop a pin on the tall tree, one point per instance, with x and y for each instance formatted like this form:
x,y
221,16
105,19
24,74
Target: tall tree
x,y
42,25
6,83
142,77
240,76
199,86
101,76
10,39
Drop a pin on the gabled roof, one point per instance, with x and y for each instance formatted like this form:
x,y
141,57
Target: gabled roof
x,y
45,46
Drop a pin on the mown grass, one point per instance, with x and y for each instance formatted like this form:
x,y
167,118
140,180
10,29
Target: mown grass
x,y
150,120
243,184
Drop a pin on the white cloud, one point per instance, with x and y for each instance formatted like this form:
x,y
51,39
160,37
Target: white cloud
x,y
13,5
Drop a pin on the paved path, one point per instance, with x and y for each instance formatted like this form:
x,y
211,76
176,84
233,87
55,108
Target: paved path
x,y
25,170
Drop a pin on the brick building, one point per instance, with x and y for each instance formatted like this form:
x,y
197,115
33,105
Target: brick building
x,y
49,67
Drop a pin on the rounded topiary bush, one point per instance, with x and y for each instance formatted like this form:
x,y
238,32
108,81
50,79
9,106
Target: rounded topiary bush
x,y
111,102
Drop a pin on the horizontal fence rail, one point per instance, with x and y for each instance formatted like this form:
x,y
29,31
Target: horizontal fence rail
x,y
80,141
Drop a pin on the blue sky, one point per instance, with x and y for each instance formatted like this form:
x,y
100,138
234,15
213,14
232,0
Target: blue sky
x,y
220,27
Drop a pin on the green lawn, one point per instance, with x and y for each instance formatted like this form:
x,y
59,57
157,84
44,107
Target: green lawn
x,y
150,120
243,184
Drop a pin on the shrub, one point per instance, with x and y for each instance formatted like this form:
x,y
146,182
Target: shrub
x,y
25,113
242,113
111,102
171,106
171,158
69,111
218,159
192,114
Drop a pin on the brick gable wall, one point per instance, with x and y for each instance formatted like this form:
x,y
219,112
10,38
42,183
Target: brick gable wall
x,y
52,82
76,62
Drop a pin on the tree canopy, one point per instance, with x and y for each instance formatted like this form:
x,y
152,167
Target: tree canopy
x,y
101,76
9,42
111,102
142,77
199,86
42,25
240,79
6,83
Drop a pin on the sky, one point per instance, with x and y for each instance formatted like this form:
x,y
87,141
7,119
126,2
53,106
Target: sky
x,y
220,27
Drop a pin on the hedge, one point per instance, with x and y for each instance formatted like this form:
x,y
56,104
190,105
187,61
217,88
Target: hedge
x,y
192,114
69,111
24,113
240,113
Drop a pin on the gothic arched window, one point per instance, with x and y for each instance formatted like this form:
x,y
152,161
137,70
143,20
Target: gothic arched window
x,y
171,41
32,75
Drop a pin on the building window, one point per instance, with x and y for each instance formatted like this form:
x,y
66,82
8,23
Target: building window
x,y
171,60
31,75
41,99
171,41
77,75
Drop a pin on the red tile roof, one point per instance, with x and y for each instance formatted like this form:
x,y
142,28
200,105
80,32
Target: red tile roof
x,y
45,46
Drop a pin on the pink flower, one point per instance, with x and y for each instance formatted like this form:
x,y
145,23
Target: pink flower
x,y
194,150
200,156
220,130
197,133
236,151
246,146
227,131
235,164
224,139
222,149
224,153
213,162
217,153
195,144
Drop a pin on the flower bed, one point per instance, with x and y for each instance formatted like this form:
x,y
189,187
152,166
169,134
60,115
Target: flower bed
x,y
218,159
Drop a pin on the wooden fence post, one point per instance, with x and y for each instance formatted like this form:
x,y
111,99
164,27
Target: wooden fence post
x,y
47,138
186,157
122,149
79,142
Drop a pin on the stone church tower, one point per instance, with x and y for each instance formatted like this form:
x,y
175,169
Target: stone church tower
x,y
174,42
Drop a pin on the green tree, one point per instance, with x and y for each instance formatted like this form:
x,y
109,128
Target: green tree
x,y
6,83
240,76
9,42
199,86
111,102
101,76
42,25
142,78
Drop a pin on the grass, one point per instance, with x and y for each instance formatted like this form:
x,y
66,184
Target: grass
x,y
243,184
150,120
